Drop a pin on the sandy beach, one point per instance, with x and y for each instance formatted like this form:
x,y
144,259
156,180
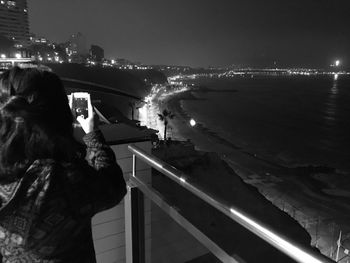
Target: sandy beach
x,y
318,199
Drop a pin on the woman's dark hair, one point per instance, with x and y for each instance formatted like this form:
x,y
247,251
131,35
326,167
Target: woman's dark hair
x,y
35,121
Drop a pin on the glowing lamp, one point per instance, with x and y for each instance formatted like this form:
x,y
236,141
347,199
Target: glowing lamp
x,y
337,63
18,55
3,56
192,122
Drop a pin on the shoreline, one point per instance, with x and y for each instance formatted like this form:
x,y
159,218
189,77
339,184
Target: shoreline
x,y
305,170
304,192
174,104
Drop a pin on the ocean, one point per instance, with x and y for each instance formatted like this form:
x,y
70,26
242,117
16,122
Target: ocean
x,y
289,120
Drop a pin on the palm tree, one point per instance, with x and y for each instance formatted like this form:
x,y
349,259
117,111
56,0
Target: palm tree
x,y
165,116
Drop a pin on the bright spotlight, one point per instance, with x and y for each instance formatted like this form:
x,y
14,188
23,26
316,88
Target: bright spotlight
x,y
192,122
18,55
337,63
3,56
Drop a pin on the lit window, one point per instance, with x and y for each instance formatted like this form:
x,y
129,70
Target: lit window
x,y
11,3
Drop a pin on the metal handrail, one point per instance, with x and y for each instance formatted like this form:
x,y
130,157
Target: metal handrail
x,y
173,212
299,253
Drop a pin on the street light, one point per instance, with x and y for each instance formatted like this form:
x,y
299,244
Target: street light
x,y
18,55
192,122
337,63
3,56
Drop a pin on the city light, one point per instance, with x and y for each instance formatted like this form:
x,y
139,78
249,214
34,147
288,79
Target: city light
x,y
11,3
3,56
18,55
192,122
337,63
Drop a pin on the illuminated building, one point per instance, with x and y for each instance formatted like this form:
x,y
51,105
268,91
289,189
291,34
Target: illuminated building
x,y
77,49
37,40
77,44
14,21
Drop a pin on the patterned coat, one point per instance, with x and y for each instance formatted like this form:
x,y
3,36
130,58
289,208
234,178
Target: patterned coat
x,y
46,216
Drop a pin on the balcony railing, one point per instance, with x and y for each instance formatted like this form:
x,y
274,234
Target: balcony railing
x,y
138,190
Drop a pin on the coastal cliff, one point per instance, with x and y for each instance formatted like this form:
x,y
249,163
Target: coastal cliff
x,y
130,81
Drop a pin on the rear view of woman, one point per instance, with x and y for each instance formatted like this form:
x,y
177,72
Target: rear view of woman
x,y
50,186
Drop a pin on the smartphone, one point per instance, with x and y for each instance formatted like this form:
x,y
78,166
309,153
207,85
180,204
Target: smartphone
x,y
79,103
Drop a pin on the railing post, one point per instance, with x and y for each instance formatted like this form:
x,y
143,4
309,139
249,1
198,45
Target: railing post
x,y
134,223
134,165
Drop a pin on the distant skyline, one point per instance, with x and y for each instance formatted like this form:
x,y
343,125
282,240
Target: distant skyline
x,y
204,33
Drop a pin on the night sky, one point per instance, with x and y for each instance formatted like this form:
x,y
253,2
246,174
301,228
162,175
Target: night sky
x,y
308,33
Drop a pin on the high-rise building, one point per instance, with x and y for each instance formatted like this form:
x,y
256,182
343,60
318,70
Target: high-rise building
x,y
97,53
14,21
78,44
76,48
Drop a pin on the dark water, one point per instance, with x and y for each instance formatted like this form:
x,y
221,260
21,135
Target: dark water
x,y
289,120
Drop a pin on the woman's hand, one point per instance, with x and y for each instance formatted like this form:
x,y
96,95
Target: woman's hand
x,y
91,122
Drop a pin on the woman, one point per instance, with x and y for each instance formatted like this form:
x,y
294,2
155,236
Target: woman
x,y
49,191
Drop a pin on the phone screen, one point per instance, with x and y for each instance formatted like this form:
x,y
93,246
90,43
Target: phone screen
x,y
79,103
80,106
